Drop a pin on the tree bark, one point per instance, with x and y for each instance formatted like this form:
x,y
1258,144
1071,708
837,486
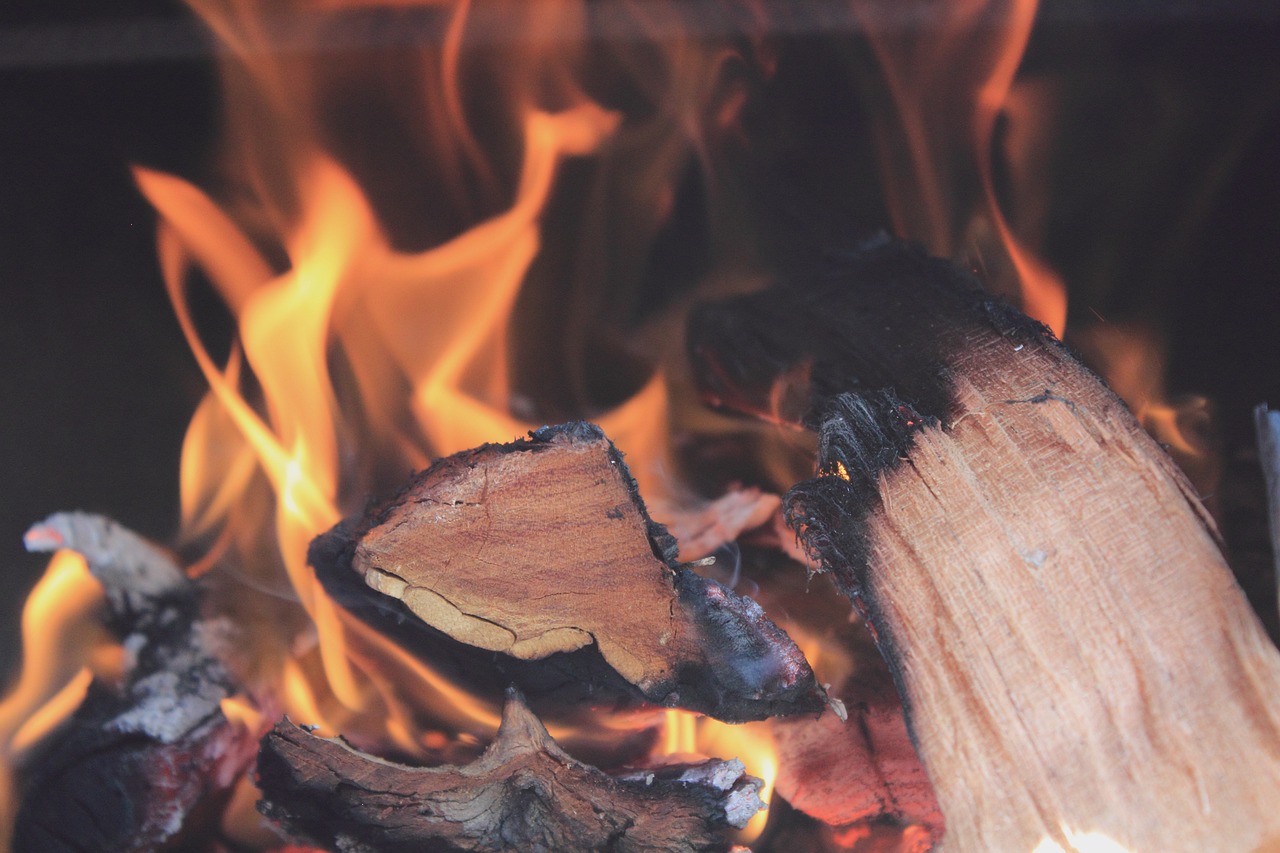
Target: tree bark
x,y
1073,653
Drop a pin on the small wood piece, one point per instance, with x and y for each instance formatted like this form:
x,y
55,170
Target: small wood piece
x,y
701,532
148,763
862,772
544,546
523,794
1073,653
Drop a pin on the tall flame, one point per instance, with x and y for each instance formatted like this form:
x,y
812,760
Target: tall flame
x,y
950,83
369,342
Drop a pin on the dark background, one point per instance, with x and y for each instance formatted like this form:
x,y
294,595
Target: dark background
x,y
1166,206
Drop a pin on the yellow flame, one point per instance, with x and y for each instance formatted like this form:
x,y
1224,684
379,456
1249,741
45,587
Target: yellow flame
x,y
59,634
243,712
63,647
433,322
60,706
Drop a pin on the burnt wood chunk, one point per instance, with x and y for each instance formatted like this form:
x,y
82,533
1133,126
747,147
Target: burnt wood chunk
x,y
149,763
523,794
1076,661
544,547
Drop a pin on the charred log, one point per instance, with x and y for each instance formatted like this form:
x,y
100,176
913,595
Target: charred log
x,y
148,763
524,793
543,547
1071,648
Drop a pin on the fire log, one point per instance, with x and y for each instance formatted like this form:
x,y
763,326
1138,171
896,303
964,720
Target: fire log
x,y
119,775
1073,653
523,793
544,546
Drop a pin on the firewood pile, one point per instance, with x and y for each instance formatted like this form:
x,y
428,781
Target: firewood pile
x,y
1062,651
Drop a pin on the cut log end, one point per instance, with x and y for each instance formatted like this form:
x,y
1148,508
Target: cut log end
x,y
523,793
544,546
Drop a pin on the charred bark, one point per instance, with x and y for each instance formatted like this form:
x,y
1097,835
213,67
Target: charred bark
x,y
523,794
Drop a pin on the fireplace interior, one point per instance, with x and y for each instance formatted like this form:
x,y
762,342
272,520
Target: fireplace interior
x,y
1134,157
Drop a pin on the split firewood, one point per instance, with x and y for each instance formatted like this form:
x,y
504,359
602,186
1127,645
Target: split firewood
x,y
149,762
1074,655
523,794
543,547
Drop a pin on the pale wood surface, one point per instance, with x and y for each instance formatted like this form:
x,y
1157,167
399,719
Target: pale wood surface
x,y
1076,654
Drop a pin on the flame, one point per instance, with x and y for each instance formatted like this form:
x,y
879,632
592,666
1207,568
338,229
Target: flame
x,y
60,634
362,353
64,647
1133,358
950,82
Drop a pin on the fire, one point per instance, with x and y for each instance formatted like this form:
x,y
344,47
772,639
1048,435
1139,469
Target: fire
x,y
368,343
64,646
422,334
358,359
949,84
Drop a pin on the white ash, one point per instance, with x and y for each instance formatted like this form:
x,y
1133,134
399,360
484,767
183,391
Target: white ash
x,y
131,569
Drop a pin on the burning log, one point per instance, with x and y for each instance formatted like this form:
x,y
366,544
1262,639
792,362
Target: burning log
x,y
1074,655
544,546
523,793
119,776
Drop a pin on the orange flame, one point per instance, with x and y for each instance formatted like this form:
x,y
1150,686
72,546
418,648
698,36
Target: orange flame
x,y
950,83
365,347
63,646
355,356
